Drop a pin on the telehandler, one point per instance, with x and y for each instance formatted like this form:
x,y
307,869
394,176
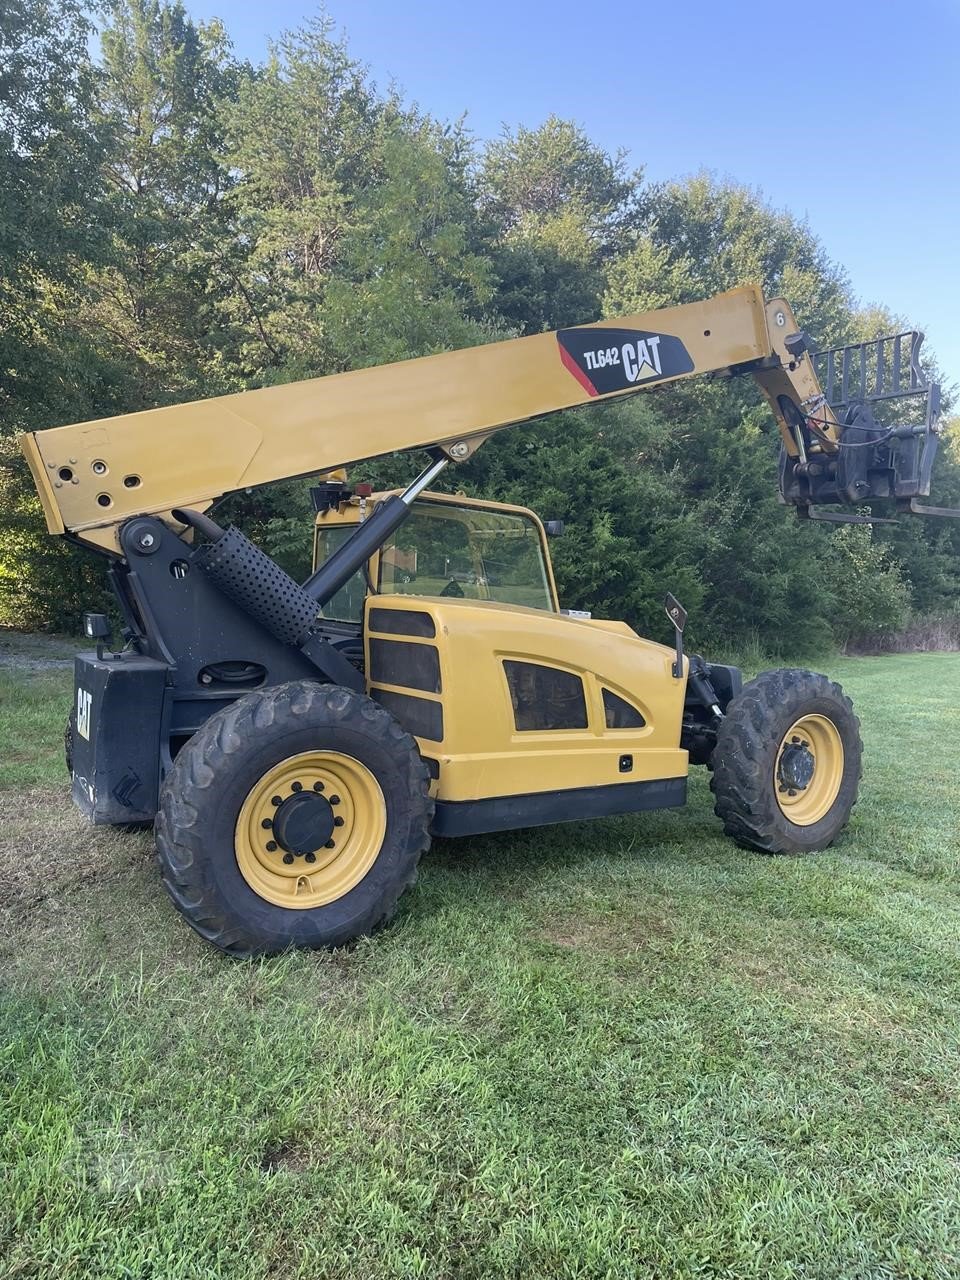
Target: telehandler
x,y
296,745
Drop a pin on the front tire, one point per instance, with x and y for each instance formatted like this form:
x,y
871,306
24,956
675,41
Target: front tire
x,y
787,765
295,817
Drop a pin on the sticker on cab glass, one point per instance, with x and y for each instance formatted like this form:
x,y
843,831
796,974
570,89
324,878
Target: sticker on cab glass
x,y
607,360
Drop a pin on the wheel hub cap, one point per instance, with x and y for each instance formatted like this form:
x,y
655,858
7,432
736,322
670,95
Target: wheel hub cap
x,y
303,823
797,766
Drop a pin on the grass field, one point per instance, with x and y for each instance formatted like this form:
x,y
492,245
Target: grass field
x,y
624,1049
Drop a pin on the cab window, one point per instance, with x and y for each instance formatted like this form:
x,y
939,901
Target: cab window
x,y
347,604
466,552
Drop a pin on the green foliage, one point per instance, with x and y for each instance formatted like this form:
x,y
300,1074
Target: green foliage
x,y
411,281
560,208
356,228
157,294
175,224
299,136
870,595
51,153
48,150
704,236
45,584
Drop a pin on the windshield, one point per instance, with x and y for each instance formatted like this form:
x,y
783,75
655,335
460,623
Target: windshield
x,y
446,550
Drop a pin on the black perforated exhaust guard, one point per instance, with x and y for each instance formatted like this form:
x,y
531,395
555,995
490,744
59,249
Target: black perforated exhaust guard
x,y
255,582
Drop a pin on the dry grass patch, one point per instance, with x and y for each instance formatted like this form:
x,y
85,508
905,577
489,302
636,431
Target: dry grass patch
x,y
50,851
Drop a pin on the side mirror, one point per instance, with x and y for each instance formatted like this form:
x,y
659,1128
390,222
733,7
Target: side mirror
x,y
675,612
553,528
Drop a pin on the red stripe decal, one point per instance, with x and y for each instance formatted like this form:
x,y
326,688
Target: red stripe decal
x,y
571,364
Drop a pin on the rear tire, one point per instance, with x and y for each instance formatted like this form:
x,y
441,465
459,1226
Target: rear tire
x,y
787,765
245,831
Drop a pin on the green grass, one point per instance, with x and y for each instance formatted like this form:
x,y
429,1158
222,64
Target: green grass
x,y
625,1048
33,713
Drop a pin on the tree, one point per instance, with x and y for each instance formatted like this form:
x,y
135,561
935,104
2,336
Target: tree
x,y
356,237
51,369
761,573
412,276
50,150
560,208
870,595
157,296
299,138
359,213
704,236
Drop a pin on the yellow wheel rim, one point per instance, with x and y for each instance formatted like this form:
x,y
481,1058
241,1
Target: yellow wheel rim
x,y
346,808
809,770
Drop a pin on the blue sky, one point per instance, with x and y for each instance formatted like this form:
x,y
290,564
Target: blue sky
x,y
845,113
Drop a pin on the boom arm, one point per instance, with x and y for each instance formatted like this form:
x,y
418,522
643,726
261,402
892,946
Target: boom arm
x,y
93,476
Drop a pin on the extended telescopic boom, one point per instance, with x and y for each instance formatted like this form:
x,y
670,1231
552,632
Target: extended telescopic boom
x,y
93,476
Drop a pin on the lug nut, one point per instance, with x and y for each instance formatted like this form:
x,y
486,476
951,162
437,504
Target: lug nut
x,y
288,858
310,857
338,821
792,792
318,786
334,799
276,801
296,786
795,739
331,844
267,823
271,846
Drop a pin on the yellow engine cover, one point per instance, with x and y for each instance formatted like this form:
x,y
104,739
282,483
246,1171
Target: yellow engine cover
x,y
508,701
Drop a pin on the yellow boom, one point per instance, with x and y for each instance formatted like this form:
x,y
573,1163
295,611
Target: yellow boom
x,y
93,476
